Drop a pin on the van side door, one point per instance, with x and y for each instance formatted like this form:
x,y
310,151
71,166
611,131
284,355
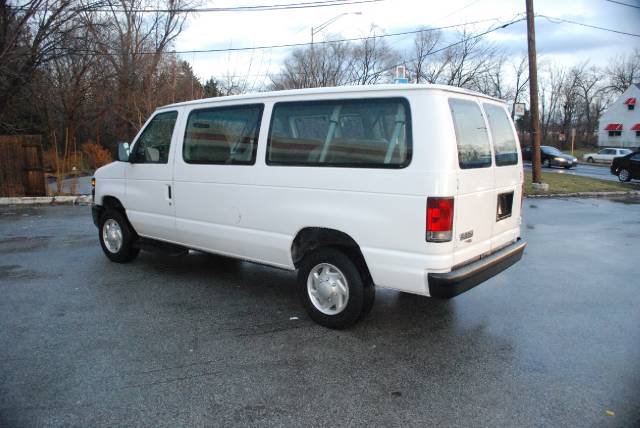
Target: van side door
x,y
217,197
149,194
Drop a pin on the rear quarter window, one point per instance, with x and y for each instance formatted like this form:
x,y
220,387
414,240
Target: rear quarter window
x,y
357,133
472,138
504,141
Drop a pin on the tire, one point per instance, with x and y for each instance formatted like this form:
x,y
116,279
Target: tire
x,y
369,299
125,251
546,163
624,175
590,160
341,310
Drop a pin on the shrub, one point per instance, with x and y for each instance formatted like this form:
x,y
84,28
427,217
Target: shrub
x,y
95,155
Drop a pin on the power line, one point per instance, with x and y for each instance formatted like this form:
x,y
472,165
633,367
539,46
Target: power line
x,y
255,8
491,30
553,19
623,4
293,45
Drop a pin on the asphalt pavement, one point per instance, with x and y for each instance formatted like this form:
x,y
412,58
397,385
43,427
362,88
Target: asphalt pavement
x,y
594,171
203,340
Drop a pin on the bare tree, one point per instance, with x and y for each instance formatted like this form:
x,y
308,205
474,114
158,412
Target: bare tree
x,y
590,90
466,61
552,86
134,43
493,80
30,36
623,71
372,58
521,76
318,66
423,65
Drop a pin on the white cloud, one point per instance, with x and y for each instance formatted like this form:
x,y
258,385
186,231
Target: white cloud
x,y
564,42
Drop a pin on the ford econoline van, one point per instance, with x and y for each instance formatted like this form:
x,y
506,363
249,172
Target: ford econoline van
x,y
417,188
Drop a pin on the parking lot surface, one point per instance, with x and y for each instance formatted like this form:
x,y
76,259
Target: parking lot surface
x,y
206,340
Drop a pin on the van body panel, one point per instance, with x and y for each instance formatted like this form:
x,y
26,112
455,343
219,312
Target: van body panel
x,y
254,211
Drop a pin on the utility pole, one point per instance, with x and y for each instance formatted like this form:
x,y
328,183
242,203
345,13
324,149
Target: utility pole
x,y
533,93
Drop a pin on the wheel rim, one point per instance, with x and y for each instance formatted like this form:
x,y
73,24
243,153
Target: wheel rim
x,y
546,162
624,175
112,235
328,289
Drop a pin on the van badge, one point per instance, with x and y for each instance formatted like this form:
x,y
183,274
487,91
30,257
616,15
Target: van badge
x,y
466,235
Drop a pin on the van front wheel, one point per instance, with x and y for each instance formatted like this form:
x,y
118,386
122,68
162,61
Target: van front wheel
x,y
116,237
332,290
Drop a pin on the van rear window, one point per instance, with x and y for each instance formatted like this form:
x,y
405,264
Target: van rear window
x,y
366,133
471,134
504,141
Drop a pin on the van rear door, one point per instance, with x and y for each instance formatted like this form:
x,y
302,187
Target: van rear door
x,y
508,176
475,204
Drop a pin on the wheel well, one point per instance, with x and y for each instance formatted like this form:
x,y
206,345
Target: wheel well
x,y
312,238
113,203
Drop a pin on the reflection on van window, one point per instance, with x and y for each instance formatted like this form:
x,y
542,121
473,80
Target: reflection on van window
x,y
374,133
504,141
471,133
155,141
223,135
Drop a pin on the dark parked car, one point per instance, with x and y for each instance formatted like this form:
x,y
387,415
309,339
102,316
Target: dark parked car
x,y
550,156
627,167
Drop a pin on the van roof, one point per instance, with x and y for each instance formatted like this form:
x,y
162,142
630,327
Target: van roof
x,y
335,90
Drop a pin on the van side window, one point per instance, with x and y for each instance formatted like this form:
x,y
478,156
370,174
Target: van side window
x,y
504,141
365,133
223,135
155,141
471,133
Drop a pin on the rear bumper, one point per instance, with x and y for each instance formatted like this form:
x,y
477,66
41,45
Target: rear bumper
x,y
458,281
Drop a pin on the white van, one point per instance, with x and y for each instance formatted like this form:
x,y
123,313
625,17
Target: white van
x,y
417,188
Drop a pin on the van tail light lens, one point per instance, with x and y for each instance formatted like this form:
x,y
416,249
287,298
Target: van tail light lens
x,y
439,219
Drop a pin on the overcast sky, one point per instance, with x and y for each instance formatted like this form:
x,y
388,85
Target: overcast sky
x,y
562,43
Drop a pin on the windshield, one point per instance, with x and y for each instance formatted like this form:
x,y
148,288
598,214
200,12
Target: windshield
x,y
551,150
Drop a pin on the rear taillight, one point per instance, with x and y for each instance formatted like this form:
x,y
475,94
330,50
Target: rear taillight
x,y
439,219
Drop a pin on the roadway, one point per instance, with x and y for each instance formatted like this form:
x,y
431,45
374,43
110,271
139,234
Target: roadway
x,y
593,171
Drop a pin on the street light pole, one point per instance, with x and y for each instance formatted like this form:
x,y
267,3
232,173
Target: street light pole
x,y
315,30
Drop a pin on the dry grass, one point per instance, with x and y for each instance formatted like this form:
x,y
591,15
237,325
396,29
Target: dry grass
x,y
565,183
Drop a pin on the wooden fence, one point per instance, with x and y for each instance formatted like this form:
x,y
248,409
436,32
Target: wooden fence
x,y
21,166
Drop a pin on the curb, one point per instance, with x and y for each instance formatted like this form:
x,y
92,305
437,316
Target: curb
x,y
586,194
44,200
600,164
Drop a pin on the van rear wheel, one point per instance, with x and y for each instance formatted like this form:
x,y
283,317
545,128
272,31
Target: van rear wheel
x,y
116,237
332,290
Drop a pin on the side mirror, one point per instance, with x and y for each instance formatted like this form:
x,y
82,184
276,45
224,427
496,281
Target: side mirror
x,y
123,152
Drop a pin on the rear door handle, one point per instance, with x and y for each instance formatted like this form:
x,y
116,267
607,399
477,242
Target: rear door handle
x,y
168,192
